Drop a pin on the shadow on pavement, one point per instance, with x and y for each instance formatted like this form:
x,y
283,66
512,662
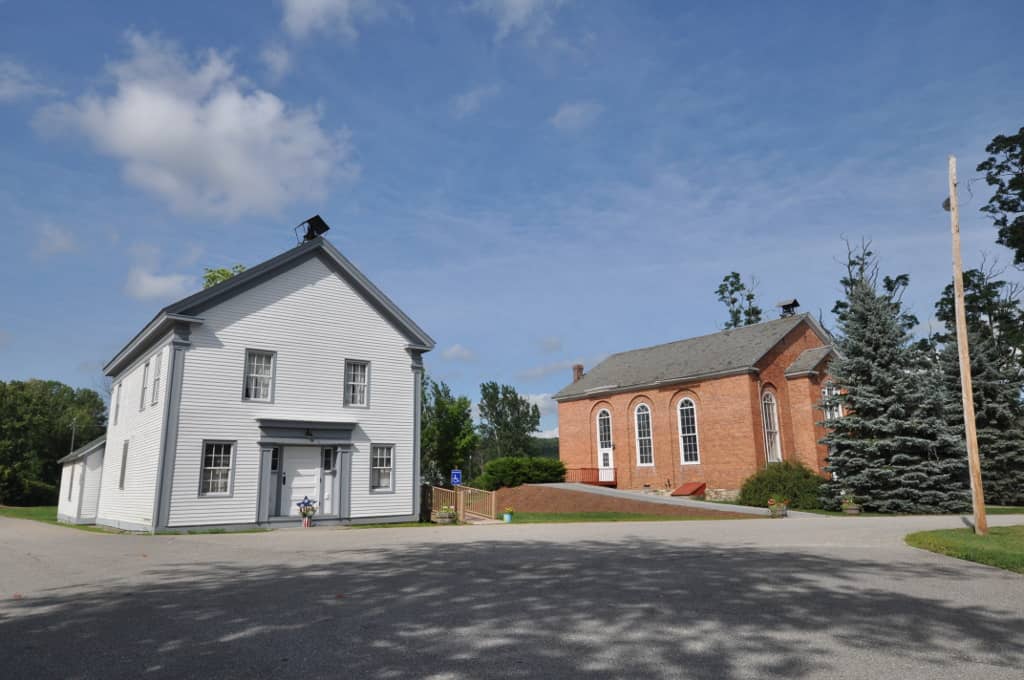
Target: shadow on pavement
x,y
504,609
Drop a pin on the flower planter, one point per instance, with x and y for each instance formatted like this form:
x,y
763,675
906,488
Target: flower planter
x,y
508,517
778,511
444,518
307,522
851,509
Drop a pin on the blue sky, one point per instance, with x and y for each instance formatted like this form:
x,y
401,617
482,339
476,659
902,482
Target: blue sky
x,y
535,182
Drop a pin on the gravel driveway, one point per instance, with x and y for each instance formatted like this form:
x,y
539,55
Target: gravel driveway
x,y
796,598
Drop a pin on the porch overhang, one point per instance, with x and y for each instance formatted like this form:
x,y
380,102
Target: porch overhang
x,y
305,432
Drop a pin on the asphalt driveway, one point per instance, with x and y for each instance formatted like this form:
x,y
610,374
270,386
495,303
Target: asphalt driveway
x,y
796,598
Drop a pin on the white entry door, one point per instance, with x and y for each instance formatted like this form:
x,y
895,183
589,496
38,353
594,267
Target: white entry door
x,y
301,470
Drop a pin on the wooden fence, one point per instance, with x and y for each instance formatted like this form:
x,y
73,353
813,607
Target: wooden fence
x,y
466,500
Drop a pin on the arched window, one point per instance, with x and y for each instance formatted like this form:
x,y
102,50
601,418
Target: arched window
x,y
689,448
833,409
604,439
770,420
644,439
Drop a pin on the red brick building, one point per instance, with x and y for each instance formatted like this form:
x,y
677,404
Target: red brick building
x,y
712,409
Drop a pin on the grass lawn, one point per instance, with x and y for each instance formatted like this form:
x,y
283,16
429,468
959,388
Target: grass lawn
x,y
1003,547
1005,509
44,513
543,517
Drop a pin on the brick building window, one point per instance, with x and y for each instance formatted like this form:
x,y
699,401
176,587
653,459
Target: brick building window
x,y
770,422
604,439
644,439
833,409
689,450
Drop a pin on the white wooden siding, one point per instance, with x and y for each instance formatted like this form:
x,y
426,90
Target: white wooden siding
x,y
91,485
313,321
133,506
70,474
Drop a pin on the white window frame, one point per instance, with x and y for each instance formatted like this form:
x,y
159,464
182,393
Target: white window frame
x,y
773,435
247,375
347,397
686,437
650,433
229,469
602,450
145,386
124,466
327,458
831,412
157,367
375,457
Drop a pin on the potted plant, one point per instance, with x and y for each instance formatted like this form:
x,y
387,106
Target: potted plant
x,y
307,509
446,515
509,511
849,505
778,508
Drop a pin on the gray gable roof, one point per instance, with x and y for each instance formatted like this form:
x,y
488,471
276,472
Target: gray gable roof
x,y
731,351
186,309
808,361
94,445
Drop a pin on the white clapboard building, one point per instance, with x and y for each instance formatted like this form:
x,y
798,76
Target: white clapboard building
x,y
296,378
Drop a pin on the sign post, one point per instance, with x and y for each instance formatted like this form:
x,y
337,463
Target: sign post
x,y
456,477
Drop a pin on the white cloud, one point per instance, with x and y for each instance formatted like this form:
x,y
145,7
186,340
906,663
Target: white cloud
x,y
54,240
544,402
468,103
458,353
143,283
197,135
572,116
278,61
547,434
302,17
531,17
17,83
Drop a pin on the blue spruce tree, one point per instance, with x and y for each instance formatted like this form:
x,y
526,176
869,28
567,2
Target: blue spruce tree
x,y
894,449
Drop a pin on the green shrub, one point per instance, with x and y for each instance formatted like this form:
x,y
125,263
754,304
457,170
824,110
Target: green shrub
x,y
783,480
516,470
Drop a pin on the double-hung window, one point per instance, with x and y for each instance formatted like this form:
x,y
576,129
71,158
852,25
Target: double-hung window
x,y
382,468
770,420
830,400
689,448
357,383
259,375
216,474
644,438
145,384
156,377
327,458
124,465
117,402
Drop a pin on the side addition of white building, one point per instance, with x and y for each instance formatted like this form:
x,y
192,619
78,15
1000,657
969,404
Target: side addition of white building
x,y
296,378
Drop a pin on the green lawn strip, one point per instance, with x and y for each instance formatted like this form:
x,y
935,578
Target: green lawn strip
x,y
1005,509
1003,547
48,515
545,517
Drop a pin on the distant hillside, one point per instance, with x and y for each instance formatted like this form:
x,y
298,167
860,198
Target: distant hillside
x,y
544,447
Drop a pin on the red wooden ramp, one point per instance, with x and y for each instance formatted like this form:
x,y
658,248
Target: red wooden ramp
x,y
691,489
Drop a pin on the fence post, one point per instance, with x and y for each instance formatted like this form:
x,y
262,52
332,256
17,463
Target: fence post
x,y
460,504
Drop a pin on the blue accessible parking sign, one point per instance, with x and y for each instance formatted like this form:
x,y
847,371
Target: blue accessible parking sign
x,y
456,477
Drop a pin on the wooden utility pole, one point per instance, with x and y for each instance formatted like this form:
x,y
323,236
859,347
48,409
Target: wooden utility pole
x,y
967,391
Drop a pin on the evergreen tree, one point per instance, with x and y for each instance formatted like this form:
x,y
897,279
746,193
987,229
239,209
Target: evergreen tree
x,y
998,415
893,450
740,299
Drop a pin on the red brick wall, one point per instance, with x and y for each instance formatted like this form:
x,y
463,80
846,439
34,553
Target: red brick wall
x,y
728,424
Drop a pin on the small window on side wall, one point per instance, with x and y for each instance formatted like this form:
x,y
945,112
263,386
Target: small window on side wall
x,y
327,455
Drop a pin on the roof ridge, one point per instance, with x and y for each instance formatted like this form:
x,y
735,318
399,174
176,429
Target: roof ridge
x,y
708,335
